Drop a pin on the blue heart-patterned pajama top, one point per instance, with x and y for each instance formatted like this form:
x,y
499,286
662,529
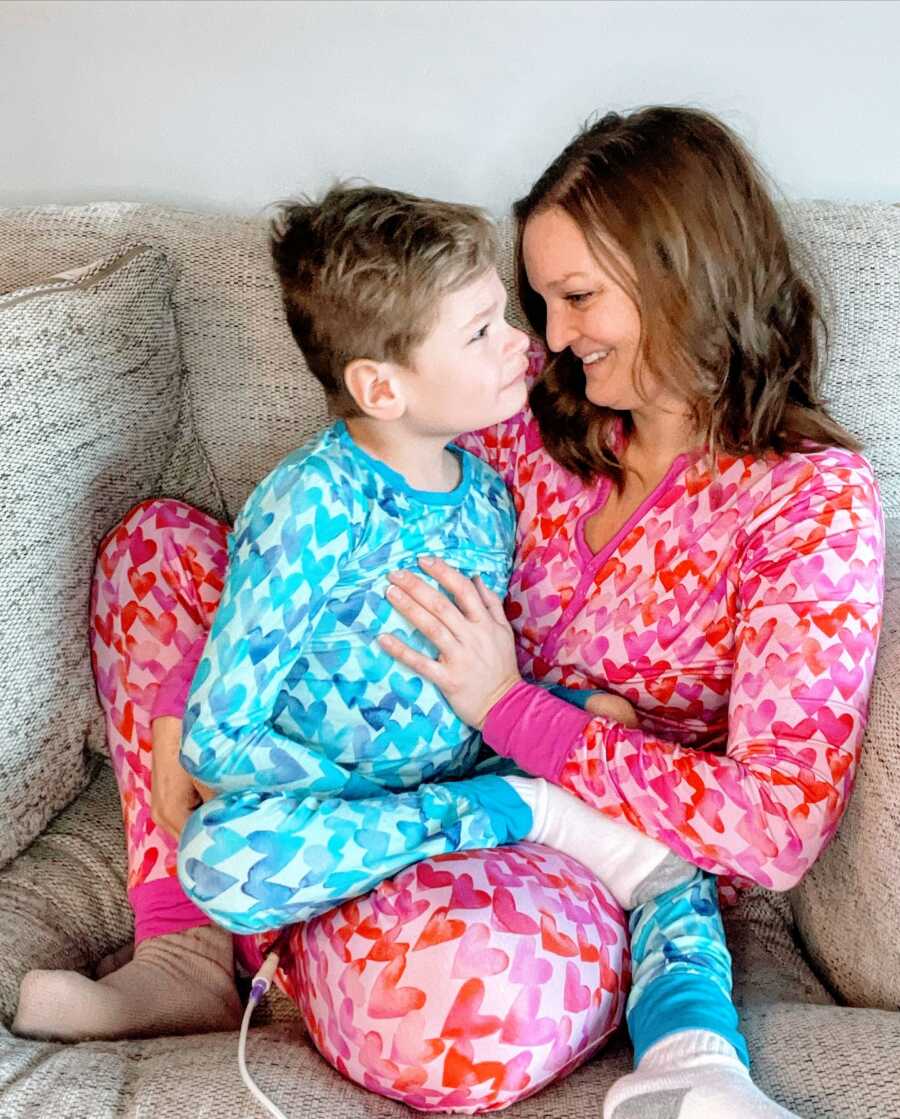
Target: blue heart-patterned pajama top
x,y
304,725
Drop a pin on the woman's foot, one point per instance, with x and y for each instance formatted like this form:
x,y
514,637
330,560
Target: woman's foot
x,y
115,960
181,983
693,1074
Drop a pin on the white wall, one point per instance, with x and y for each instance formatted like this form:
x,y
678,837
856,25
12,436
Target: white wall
x,y
232,105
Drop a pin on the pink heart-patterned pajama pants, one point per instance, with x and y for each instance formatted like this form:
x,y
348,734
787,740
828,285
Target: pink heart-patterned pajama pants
x,y
465,983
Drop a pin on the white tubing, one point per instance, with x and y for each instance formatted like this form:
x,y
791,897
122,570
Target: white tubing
x,y
261,983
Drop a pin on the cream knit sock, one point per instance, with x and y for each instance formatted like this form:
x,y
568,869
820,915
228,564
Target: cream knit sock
x,y
631,865
693,1074
181,983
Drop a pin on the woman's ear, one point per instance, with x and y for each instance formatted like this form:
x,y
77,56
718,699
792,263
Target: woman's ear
x,y
377,388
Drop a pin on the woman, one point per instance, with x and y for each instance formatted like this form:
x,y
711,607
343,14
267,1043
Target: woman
x,y
696,535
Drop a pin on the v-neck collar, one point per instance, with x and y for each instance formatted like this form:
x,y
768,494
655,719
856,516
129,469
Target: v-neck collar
x,y
596,559
591,562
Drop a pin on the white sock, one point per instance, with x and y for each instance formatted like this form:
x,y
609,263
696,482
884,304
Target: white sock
x,y
631,865
692,1074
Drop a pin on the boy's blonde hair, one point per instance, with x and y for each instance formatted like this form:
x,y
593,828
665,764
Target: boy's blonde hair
x,y
362,273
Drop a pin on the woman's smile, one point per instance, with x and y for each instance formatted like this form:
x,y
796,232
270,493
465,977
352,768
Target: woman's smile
x,y
594,361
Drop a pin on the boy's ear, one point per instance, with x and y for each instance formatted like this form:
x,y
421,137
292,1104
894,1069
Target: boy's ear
x,y
377,388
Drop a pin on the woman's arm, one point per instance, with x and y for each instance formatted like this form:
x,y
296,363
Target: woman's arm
x,y
809,611
174,794
172,693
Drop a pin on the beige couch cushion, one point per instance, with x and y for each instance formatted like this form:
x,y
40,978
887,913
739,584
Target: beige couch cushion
x,y
822,1062
847,906
853,253
90,370
253,399
62,903
35,243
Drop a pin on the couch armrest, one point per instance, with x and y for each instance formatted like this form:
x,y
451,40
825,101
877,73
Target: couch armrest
x,y
847,907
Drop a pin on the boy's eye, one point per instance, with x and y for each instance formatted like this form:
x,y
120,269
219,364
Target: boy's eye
x,y
479,334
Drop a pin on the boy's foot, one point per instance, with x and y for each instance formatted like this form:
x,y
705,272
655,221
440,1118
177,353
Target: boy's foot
x,y
632,866
694,1074
181,983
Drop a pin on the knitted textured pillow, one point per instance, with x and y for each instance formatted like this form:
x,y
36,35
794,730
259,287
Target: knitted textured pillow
x,y
90,372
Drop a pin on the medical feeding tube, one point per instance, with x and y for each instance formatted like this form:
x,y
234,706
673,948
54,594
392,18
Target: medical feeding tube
x,y
262,981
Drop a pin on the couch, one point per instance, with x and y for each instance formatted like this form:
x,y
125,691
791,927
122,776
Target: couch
x,y
143,351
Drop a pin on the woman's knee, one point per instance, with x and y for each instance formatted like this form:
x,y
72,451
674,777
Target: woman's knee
x,y
115,547
166,543
468,981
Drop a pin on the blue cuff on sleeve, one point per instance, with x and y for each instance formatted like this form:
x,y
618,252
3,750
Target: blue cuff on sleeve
x,y
510,816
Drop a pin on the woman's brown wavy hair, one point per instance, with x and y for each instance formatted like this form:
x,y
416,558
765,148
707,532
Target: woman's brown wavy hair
x,y
726,317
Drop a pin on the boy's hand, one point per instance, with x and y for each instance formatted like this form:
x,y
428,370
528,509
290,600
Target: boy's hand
x,y
613,707
476,664
173,792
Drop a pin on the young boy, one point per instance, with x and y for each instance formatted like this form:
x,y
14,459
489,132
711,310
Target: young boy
x,y
336,767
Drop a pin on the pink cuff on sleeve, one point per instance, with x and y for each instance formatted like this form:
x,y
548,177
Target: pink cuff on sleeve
x,y
535,728
171,696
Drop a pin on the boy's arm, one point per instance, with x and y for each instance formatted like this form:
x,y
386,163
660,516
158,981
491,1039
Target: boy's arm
x,y
286,553
598,703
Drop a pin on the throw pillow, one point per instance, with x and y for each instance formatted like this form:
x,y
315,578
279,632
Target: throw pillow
x,y
90,369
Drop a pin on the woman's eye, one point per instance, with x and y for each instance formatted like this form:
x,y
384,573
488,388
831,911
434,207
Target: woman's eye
x,y
578,297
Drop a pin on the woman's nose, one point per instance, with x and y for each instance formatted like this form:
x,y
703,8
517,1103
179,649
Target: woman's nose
x,y
560,331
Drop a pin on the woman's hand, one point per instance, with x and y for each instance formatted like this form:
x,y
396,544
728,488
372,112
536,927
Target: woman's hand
x,y
173,792
476,663
613,707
